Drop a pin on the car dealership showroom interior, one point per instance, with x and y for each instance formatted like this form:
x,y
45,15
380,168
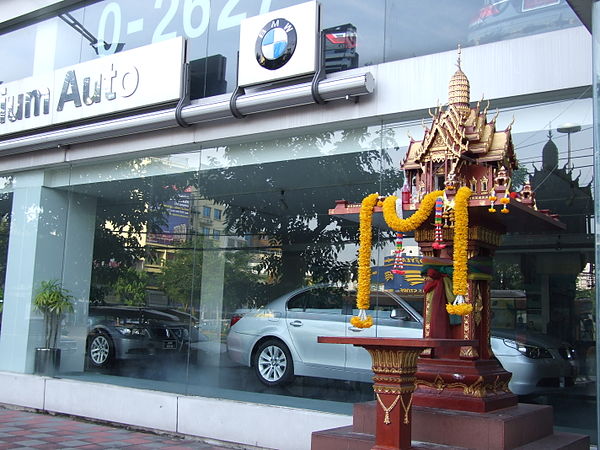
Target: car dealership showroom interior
x,y
231,219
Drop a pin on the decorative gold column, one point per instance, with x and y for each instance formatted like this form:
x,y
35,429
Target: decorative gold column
x,y
394,365
394,384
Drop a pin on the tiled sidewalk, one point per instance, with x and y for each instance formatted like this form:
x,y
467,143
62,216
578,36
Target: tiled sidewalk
x,y
22,429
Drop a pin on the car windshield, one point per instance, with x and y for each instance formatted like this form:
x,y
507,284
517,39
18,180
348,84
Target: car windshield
x,y
416,303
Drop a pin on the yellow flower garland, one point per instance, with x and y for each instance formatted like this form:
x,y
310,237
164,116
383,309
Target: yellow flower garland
x,y
364,262
413,222
461,230
461,238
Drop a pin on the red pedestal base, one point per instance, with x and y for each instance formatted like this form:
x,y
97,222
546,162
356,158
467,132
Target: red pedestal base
x,y
521,426
394,365
464,385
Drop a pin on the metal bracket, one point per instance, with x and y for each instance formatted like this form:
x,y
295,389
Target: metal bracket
x,y
235,112
238,92
185,96
320,73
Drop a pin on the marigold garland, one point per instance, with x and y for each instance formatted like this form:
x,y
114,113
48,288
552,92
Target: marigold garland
x,y
461,238
364,262
413,222
460,309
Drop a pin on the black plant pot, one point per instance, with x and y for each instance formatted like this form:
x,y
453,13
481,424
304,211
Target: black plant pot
x,y
47,361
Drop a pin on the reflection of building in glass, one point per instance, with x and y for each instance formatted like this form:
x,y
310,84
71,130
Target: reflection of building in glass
x,y
207,76
551,263
499,18
557,191
340,48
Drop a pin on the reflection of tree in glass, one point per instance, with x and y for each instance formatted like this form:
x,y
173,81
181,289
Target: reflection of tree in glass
x,y
132,208
130,287
507,276
518,178
5,209
182,274
181,277
287,202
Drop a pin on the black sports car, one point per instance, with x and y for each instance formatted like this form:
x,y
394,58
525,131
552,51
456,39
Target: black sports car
x,y
126,332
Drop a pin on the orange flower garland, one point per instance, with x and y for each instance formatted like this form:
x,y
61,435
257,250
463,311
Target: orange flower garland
x,y
364,263
413,222
461,230
461,238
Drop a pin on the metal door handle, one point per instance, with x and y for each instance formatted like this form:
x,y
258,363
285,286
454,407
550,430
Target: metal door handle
x,y
296,323
356,330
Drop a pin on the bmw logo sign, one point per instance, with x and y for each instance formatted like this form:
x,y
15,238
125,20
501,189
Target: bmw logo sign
x,y
275,44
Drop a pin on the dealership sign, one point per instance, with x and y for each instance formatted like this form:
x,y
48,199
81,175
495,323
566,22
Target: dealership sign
x,y
141,77
277,45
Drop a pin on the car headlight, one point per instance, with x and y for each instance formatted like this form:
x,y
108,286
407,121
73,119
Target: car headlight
x,y
531,351
133,331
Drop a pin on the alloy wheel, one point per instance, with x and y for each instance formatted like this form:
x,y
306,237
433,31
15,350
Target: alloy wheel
x,y
272,363
99,350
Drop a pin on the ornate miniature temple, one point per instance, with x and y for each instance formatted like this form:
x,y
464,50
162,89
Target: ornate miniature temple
x,y
463,148
458,199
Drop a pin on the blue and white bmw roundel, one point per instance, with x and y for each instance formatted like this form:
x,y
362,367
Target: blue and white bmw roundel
x,y
275,44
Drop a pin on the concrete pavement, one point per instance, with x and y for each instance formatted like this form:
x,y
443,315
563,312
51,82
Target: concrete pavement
x,y
21,429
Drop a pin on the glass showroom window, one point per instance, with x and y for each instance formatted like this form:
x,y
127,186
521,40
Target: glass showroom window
x,y
352,38
5,216
275,208
163,288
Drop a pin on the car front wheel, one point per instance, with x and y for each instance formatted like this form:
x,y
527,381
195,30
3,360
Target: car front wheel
x,y
101,350
273,363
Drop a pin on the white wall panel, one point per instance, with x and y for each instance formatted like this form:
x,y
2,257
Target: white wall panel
x,y
254,424
143,408
22,390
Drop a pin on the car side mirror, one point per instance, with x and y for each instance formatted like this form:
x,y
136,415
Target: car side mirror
x,y
399,314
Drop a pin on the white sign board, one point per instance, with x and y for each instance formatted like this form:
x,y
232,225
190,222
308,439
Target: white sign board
x,y
140,77
280,44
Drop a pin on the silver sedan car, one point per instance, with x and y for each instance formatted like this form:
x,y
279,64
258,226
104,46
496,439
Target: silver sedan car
x,y
280,340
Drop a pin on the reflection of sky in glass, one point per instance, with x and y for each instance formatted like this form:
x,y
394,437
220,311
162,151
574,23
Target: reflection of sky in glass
x,y
385,30
16,54
530,134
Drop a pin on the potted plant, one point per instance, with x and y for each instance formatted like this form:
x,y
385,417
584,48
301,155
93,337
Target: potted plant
x,y
53,301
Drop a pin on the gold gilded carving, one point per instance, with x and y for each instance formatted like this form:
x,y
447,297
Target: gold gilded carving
x,y
484,235
388,409
438,383
480,234
394,390
428,306
468,352
393,361
478,305
404,380
406,408
476,389
473,183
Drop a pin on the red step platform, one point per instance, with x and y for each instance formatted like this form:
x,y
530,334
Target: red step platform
x,y
523,426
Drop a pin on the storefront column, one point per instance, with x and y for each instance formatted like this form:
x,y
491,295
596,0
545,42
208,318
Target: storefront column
x,y
596,97
51,237
211,307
